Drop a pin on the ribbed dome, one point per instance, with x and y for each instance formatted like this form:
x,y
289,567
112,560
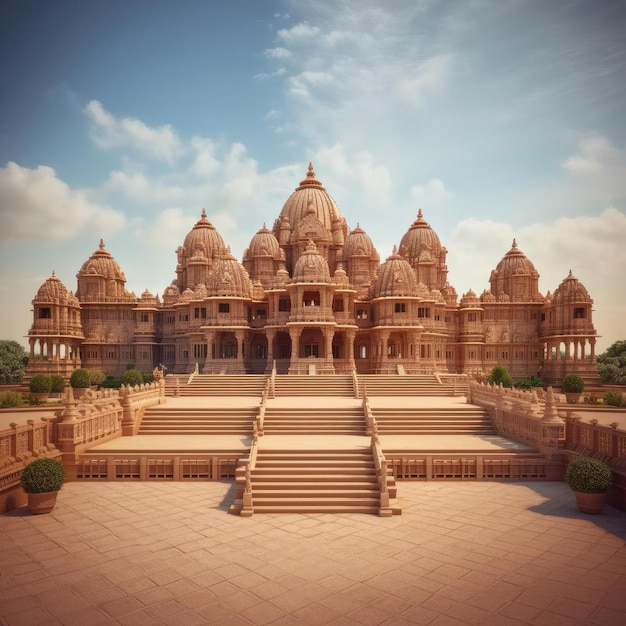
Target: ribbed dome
x,y
101,264
229,278
203,240
395,278
515,277
311,267
309,196
263,243
53,291
358,243
420,243
571,291
515,262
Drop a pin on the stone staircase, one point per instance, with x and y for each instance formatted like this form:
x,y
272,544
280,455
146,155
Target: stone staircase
x,y
308,481
409,385
291,385
216,385
164,420
313,421
463,420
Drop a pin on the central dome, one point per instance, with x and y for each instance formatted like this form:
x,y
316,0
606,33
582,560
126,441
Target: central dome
x,y
309,197
311,267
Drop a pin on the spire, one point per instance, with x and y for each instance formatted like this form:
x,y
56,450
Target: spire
x,y
101,244
514,244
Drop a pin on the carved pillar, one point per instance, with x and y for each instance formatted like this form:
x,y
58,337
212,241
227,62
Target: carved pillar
x,y
294,362
350,337
328,333
239,338
270,334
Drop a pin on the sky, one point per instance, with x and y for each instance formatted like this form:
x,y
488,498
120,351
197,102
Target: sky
x,y
121,120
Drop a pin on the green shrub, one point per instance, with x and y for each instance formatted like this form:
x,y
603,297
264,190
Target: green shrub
x,y
97,376
40,383
132,377
573,383
110,384
130,366
43,475
589,475
499,374
80,379
613,398
10,399
57,384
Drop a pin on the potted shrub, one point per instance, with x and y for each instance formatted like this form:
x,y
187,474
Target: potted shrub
x,y
41,480
57,384
40,385
573,386
590,479
80,381
132,377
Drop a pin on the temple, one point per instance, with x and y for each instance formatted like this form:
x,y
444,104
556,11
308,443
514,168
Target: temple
x,y
311,296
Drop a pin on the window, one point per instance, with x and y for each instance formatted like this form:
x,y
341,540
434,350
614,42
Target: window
x,y
423,312
400,307
311,349
45,314
362,352
311,298
284,305
170,319
200,351
223,307
361,314
472,317
579,313
185,354
144,317
338,305
543,317
261,313
199,312
183,317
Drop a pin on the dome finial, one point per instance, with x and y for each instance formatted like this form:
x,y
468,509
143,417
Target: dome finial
x,y
101,244
203,214
514,244
54,274
310,173
420,215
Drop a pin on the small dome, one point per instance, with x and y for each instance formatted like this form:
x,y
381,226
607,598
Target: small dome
x,y
422,291
263,243
358,243
420,243
340,277
487,296
282,276
229,278
101,264
148,299
395,278
203,241
53,291
171,294
571,291
311,267
469,300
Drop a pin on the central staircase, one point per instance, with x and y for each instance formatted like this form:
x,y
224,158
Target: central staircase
x,y
309,481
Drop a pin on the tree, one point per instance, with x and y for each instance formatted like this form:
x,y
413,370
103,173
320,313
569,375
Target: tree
x,y
612,364
499,374
13,360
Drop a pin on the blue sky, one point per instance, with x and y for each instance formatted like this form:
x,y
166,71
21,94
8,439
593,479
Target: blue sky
x,y
499,118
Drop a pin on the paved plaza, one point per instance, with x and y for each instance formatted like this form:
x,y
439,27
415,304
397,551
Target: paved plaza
x,y
169,553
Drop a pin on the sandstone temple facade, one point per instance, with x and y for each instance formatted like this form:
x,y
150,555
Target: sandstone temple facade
x,y
312,296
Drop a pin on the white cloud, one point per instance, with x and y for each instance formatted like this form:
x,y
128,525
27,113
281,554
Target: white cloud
x,y
141,190
426,78
432,194
36,205
299,85
595,153
277,53
108,132
300,32
206,162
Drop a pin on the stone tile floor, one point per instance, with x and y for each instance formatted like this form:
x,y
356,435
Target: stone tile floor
x,y
169,553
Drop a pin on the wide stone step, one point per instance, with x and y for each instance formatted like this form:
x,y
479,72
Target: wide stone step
x,y
313,479
333,509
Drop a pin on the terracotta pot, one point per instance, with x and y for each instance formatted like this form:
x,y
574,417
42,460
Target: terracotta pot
x,y
573,398
39,503
591,503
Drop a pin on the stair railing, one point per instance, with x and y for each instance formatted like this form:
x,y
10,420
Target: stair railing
x,y
369,416
196,370
247,508
272,388
355,383
380,463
